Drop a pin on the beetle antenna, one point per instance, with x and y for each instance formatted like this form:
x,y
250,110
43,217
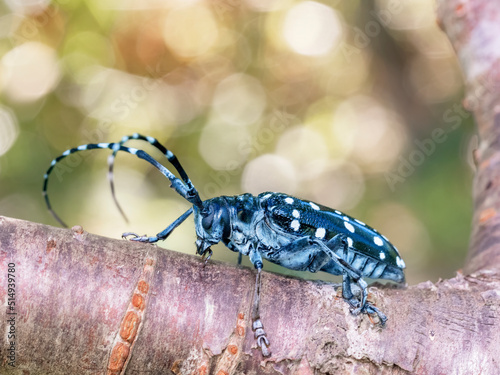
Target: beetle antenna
x,y
155,143
186,190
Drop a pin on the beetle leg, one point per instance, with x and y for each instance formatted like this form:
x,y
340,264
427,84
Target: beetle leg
x,y
257,327
346,282
300,255
163,234
350,275
372,310
367,308
347,292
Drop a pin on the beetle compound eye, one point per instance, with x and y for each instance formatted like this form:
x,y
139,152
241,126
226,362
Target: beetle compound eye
x,y
207,221
208,218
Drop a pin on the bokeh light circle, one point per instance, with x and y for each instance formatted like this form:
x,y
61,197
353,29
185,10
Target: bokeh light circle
x,y
269,173
312,29
239,99
29,71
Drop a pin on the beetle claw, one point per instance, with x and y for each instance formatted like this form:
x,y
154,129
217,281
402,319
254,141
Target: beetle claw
x,y
206,257
261,337
127,234
135,237
371,311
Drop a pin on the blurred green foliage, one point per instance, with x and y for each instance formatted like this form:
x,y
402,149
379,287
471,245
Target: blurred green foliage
x,y
334,103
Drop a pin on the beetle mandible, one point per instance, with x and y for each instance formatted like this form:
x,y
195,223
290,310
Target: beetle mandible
x,y
294,233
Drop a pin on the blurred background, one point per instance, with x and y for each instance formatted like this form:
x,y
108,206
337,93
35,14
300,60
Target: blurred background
x,y
352,104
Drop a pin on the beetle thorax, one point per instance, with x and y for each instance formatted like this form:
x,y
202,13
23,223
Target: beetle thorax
x,y
231,220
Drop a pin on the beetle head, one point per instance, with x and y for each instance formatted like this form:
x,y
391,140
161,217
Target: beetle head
x,y
212,223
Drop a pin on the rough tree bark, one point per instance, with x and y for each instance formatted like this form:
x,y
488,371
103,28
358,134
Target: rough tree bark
x,y
473,28
91,305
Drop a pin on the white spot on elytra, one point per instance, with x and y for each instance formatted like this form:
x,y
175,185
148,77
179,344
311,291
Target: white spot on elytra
x,y
295,225
345,218
350,241
314,206
338,212
359,222
349,226
266,196
378,241
382,255
295,214
400,262
289,200
320,233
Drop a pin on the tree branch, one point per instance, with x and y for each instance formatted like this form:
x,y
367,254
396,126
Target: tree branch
x,y
473,28
91,305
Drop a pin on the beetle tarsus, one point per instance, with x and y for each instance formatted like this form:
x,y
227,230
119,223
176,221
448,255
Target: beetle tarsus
x,y
368,309
372,310
134,237
206,257
261,337
130,234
